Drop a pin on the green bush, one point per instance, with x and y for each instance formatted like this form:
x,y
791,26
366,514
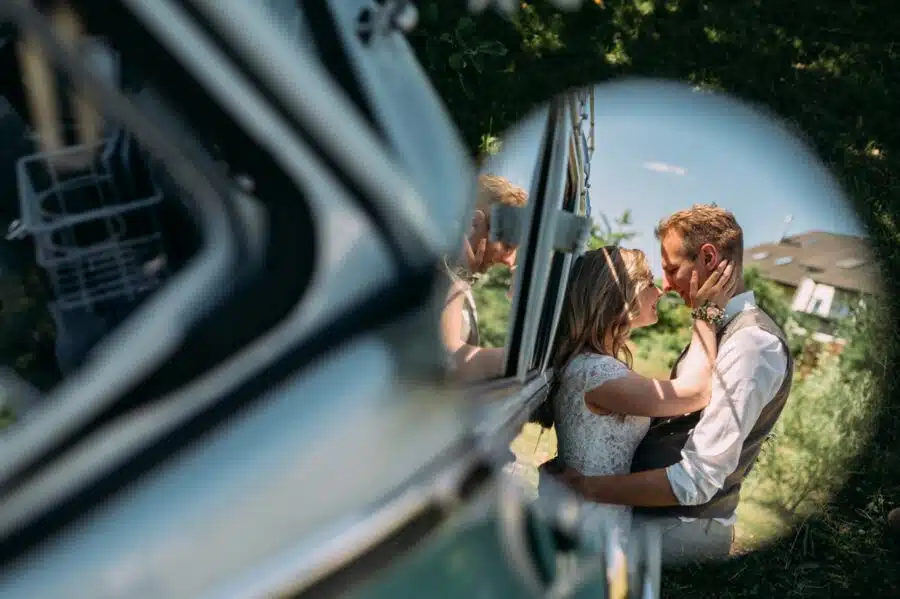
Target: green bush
x,y
771,298
493,306
828,420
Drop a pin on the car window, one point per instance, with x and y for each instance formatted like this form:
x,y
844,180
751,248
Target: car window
x,y
91,217
530,443
560,262
121,260
485,278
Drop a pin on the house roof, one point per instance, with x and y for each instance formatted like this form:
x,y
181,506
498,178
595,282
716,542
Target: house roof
x,y
842,261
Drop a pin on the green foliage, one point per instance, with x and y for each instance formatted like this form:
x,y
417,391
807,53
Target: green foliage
x,y
539,35
604,233
870,337
7,417
464,49
829,419
769,296
489,145
451,45
491,297
26,343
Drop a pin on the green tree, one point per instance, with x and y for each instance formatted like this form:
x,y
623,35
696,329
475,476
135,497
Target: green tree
x,y
771,298
604,233
868,337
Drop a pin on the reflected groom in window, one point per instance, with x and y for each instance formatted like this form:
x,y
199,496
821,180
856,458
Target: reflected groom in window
x,y
468,360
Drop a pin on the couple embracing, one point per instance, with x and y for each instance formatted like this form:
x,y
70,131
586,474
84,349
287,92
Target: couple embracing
x,y
674,452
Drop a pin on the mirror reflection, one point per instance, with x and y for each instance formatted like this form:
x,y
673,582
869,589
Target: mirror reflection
x,y
719,303
483,270
98,226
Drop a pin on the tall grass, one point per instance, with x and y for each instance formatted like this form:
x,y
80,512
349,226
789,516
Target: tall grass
x,y
826,424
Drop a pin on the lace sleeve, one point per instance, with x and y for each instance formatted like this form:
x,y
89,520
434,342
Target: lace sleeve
x,y
597,369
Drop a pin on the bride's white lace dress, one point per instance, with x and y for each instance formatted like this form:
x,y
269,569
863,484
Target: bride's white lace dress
x,y
593,444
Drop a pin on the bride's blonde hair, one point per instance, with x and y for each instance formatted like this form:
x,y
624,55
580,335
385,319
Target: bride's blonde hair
x,y
601,301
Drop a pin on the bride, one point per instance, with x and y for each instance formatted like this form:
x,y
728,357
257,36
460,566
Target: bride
x,y
601,409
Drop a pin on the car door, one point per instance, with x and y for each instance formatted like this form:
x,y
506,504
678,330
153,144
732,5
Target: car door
x,y
335,306
493,543
322,454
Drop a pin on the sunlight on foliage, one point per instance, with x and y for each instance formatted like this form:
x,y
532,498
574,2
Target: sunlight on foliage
x,y
539,36
605,233
490,145
645,7
827,423
618,55
713,35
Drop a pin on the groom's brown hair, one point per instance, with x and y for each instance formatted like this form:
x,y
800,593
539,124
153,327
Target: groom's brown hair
x,y
706,223
493,189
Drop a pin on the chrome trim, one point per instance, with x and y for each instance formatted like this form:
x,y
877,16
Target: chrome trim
x,y
152,333
546,223
301,567
513,536
302,84
524,264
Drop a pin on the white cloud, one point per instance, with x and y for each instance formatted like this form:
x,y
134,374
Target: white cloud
x,y
662,167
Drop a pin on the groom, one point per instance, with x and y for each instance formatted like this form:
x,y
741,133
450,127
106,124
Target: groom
x,y
687,473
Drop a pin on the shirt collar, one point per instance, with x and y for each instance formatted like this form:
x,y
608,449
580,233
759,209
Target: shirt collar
x,y
739,303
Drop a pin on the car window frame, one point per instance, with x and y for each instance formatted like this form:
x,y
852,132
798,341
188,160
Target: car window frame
x,y
380,301
504,404
560,265
552,184
173,308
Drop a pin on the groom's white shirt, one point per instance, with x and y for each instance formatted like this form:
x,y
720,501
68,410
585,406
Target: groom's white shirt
x,y
750,367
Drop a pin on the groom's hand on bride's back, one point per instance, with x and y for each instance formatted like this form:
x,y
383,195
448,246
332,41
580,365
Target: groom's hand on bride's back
x,y
569,477
573,479
552,467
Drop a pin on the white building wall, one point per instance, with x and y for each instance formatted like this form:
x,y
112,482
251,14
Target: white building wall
x,y
825,293
809,293
802,295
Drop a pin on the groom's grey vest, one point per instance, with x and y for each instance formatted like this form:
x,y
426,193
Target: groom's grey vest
x,y
667,436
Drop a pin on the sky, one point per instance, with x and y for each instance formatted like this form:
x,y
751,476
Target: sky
x,y
659,150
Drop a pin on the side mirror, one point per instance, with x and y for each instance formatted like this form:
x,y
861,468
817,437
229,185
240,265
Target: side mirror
x,y
652,148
